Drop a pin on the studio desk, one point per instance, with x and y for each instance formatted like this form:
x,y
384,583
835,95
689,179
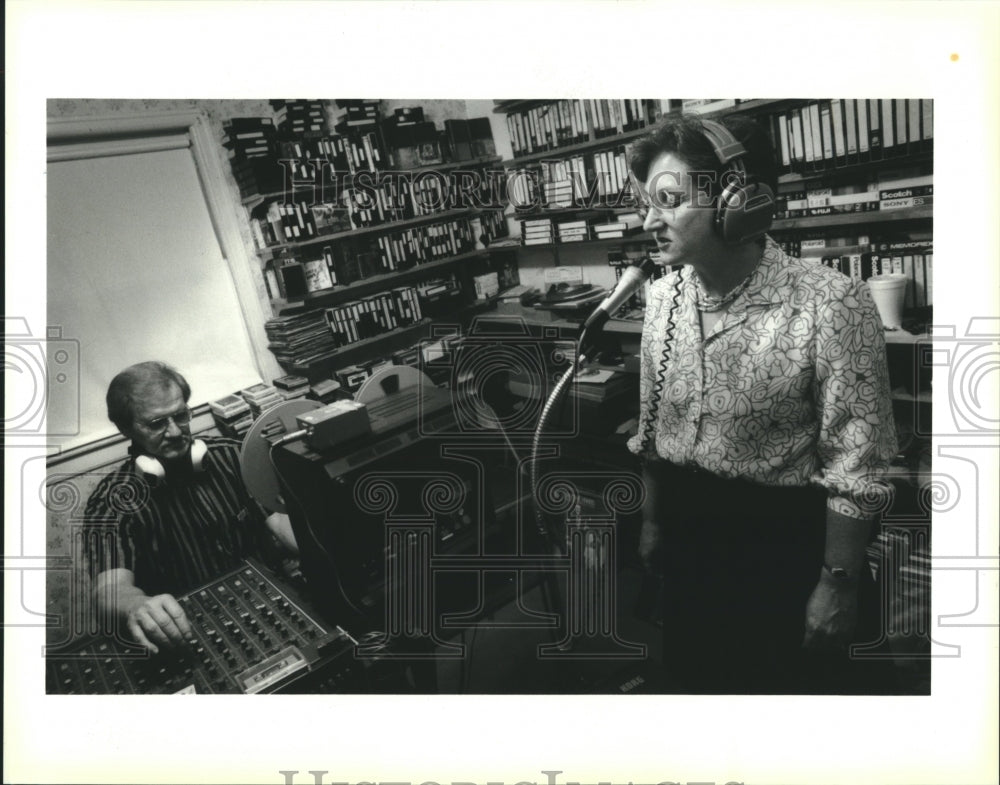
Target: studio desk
x,y
406,538
436,501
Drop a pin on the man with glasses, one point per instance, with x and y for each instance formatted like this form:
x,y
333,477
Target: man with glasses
x,y
172,517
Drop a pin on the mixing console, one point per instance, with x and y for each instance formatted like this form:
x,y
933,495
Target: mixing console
x,y
249,636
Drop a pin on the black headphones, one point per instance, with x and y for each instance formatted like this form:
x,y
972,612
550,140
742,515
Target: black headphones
x,y
745,209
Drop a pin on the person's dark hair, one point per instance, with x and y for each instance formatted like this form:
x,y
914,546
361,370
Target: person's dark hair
x,y
130,383
683,136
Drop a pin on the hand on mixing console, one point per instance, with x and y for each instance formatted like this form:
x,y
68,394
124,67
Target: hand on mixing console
x,y
158,621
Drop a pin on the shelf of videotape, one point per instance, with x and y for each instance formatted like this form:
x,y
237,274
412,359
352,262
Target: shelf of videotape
x,y
335,202
840,162
861,256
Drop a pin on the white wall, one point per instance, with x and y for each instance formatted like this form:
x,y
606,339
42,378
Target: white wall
x,y
135,273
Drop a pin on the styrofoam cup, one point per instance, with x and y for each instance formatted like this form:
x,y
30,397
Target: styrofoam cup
x,y
889,293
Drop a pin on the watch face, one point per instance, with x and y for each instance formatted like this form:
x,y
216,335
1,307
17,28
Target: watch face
x,y
839,573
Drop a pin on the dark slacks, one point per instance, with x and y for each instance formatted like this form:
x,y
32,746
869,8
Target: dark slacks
x,y
740,561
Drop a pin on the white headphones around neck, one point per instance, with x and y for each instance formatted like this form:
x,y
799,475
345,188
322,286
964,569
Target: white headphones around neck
x,y
153,472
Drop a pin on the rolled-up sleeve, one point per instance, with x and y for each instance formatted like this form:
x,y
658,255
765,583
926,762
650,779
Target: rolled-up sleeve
x,y
857,434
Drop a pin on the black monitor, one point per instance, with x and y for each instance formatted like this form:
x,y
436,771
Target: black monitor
x,y
417,481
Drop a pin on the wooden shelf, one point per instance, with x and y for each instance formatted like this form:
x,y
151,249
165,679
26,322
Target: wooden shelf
x,y
753,105
446,167
344,178
834,250
519,104
570,149
854,219
608,141
397,339
360,288
533,318
636,238
556,212
252,202
392,226
390,341
331,358
851,172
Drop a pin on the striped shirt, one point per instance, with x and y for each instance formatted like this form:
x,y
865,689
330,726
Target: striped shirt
x,y
180,534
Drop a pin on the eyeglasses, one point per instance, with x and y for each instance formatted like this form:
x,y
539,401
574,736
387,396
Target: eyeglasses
x,y
662,200
160,424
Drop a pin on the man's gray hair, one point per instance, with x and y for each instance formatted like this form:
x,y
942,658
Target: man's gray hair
x,y
128,384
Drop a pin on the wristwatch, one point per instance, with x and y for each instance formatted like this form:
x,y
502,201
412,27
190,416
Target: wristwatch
x,y
839,574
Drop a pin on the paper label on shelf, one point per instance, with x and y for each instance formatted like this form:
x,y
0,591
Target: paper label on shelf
x,y
566,274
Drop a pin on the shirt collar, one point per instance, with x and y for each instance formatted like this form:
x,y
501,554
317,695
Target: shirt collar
x,y
771,280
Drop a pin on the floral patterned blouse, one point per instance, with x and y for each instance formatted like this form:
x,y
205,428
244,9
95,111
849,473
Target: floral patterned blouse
x,y
791,388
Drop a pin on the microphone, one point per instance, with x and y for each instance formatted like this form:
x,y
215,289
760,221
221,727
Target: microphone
x,y
635,275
